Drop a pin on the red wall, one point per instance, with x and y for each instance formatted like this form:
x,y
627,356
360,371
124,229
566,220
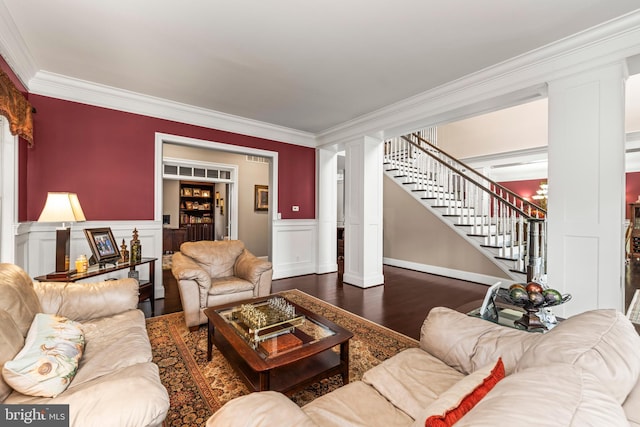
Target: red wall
x,y
525,188
632,191
107,157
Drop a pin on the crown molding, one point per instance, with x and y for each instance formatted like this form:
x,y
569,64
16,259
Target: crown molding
x,y
13,48
77,90
510,82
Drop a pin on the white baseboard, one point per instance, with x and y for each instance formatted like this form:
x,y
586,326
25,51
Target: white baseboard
x,y
447,272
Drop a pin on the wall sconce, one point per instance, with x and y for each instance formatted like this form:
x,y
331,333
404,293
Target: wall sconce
x,y
217,199
62,207
221,206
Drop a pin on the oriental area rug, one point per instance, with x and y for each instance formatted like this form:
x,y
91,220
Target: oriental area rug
x,y
197,388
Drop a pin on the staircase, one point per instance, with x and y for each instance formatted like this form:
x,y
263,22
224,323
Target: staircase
x,y
508,229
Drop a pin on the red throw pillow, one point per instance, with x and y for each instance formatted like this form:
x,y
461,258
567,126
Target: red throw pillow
x,y
451,416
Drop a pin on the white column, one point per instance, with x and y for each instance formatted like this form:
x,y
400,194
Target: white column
x,y
586,189
327,165
363,213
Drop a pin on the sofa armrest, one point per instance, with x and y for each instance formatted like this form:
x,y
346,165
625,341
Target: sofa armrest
x,y
468,343
185,268
252,269
263,409
86,301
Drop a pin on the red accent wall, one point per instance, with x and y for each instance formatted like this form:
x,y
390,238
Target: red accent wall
x,y
525,188
107,157
632,191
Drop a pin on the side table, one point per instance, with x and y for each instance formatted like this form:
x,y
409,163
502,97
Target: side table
x,y
147,287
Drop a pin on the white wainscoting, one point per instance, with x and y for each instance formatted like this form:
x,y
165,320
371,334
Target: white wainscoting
x,y
35,246
295,244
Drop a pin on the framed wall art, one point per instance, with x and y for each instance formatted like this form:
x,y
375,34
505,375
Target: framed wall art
x,y
261,198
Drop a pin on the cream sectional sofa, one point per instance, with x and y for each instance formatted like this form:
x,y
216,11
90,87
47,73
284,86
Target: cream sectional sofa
x,y
584,372
115,384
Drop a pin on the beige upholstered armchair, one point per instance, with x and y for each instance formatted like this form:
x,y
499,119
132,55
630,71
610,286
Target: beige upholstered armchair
x,y
211,273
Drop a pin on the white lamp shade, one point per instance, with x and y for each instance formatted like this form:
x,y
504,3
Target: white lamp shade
x,y
62,207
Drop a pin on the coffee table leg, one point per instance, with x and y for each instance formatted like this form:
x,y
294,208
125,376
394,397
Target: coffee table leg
x,y
344,362
210,332
264,381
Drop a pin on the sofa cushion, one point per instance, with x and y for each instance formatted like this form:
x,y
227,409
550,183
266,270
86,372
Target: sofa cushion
x,y
463,396
216,257
127,397
357,405
265,409
603,342
84,301
49,360
467,343
229,285
548,395
18,297
412,379
113,343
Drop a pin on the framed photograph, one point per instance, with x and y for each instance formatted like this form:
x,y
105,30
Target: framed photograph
x,y
206,193
488,310
196,192
103,245
187,192
261,198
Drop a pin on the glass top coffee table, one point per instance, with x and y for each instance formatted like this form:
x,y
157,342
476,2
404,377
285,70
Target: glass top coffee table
x,y
274,344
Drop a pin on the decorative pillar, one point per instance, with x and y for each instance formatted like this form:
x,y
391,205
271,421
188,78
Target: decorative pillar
x,y
327,206
363,212
587,189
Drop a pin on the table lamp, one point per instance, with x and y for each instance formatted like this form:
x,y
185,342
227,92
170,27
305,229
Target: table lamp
x,y
62,207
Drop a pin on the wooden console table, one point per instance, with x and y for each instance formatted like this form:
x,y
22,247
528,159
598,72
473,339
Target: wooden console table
x,y
147,287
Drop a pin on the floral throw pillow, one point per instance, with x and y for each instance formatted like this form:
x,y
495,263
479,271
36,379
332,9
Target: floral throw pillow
x,y
49,360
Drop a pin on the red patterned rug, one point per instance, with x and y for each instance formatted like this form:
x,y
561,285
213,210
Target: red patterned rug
x,y
198,388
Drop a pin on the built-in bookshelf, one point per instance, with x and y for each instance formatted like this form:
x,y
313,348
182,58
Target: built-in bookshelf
x,y
196,209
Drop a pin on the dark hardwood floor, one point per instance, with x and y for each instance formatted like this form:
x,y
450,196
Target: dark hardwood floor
x,y
401,304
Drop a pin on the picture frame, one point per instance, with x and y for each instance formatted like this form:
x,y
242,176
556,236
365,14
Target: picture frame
x,y
103,245
187,192
261,198
196,192
206,193
488,310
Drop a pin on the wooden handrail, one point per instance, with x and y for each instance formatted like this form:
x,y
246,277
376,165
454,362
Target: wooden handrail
x,y
501,187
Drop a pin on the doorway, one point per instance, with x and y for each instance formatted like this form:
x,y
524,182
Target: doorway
x,y
244,223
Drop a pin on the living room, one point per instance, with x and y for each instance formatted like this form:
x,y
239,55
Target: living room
x,y
102,139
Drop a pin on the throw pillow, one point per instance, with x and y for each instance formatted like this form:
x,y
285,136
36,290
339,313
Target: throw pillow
x,y
463,396
49,359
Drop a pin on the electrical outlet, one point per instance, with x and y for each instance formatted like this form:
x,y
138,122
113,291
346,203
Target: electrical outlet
x,y
295,208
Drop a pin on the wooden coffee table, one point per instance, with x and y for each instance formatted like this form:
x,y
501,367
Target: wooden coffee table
x,y
305,356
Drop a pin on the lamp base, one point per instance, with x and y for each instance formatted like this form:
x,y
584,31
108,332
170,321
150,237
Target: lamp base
x,y
63,237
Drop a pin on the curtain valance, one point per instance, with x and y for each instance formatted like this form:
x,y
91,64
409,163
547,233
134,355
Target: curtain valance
x,y
15,107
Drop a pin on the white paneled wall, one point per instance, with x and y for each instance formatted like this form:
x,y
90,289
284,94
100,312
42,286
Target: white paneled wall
x,y
35,245
294,247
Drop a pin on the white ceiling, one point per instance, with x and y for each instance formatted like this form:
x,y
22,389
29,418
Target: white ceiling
x,y
300,64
